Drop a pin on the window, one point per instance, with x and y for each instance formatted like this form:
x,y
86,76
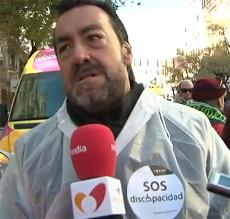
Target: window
x,y
39,96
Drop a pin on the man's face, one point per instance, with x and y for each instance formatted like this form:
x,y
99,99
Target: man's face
x,y
185,90
91,58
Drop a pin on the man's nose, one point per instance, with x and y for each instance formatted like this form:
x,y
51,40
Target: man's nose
x,y
80,54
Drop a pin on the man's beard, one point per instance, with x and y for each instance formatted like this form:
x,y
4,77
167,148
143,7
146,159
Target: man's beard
x,y
100,99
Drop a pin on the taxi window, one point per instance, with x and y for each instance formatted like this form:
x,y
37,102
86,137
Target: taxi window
x,y
38,97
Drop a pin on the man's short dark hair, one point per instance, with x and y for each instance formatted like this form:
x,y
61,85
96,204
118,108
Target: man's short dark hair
x,y
64,5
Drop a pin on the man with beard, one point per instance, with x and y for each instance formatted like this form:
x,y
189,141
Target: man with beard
x,y
95,57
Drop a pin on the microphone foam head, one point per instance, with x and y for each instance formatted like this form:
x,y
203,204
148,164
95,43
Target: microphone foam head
x,y
93,151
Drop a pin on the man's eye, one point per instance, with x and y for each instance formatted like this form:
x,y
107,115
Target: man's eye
x,y
64,50
94,37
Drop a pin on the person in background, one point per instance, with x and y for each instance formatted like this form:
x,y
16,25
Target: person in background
x,y
226,130
208,97
184,91
155,139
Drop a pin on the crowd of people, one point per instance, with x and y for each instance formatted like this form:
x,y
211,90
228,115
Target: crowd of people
x,y
155,138
208,96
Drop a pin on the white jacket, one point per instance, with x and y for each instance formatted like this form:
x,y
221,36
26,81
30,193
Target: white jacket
x,y
158,132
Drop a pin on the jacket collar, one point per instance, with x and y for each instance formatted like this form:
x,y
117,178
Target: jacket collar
x,y
145,107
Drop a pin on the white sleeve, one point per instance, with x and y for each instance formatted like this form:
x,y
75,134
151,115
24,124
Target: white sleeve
x,y
13,201
218,159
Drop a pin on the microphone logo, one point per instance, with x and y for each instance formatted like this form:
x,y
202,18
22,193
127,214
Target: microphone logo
x,y
90,203
79,149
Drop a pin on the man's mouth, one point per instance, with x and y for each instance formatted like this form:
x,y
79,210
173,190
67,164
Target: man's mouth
x,y
84,75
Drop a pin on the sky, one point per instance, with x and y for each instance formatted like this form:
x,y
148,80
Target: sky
x,y
155,27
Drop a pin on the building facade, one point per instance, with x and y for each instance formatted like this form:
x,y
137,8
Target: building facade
x,y
195,27
217,12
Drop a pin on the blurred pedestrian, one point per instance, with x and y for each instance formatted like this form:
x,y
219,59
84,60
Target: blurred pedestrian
x,y
184,92
226,133
208,97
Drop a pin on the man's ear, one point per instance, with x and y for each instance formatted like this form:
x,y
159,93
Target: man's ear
x,y
127,54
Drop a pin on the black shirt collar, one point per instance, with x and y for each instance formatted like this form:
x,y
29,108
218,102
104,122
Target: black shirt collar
x,y
114,118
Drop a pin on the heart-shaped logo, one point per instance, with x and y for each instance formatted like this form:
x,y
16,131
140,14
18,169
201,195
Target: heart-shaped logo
x,y
97,193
